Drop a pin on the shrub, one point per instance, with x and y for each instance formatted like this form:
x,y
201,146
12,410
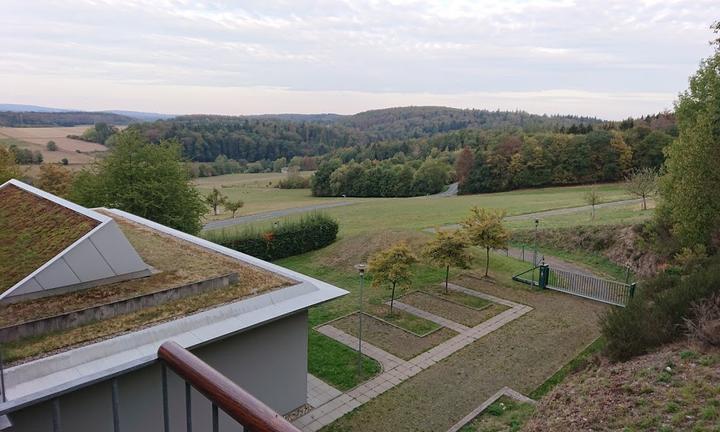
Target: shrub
x,y
656,314
51,146
704,327
285,239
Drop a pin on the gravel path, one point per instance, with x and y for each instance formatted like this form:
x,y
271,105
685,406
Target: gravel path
x,y
270,215
452,190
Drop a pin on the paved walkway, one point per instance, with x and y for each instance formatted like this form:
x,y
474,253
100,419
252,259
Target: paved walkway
x,y
430,317
270,215
452,190
396,370
505,391
319,393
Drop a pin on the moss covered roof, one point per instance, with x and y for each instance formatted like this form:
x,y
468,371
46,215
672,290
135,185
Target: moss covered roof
x,y
32,231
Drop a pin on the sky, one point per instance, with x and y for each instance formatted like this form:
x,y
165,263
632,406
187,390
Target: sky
x,y
606,58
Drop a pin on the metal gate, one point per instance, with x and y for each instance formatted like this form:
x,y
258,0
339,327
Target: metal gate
x,y
591,287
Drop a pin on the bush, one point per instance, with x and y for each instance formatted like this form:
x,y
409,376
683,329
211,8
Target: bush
x,y
704,327
286,239
51,146
657,313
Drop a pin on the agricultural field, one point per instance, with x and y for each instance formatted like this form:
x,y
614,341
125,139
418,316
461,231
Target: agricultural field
x,y
77,152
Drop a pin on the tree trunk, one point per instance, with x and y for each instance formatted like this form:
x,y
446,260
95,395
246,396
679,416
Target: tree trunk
x,y
487,260
593,213
644,204
392,298
447,275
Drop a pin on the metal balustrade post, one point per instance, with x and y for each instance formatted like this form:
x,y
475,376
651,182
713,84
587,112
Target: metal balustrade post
x,y
56,421
188,406
215,419
166,409
2,376
116,405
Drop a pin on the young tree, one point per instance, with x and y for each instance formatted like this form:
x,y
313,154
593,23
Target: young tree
x,y
55,179
392,266
215,199
642,183
9,168
51,146
448,249
233,206
149,180
592,198
484,228
691,183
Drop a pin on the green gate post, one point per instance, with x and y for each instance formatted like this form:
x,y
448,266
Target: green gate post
x,y
544,276
632,289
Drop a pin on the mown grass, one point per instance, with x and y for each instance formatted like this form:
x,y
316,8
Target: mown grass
x,y
336,363
621,215
573,365
371,214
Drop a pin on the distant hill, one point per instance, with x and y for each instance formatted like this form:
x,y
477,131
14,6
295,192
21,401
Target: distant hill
x,y
421,121
68,120
299,118
63,118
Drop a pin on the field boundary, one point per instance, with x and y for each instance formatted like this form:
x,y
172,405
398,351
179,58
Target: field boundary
x,y
505,391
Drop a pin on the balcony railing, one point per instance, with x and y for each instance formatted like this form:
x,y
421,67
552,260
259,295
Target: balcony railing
x,y
224,394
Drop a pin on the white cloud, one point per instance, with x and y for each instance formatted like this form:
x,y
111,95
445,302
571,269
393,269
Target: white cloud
x,y
398,52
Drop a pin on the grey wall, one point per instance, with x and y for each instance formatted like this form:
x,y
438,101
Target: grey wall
x,y
270,362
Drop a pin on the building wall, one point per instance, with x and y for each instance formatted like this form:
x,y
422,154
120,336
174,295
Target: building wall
x,y
270,362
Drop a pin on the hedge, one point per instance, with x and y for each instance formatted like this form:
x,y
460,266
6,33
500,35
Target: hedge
x,y
284,239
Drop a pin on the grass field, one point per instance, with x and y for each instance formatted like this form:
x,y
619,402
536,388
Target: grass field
x,y
37,138
258,192
423,212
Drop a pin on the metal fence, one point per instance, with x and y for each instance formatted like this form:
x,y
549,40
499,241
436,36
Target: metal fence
x,y
591,287
604,290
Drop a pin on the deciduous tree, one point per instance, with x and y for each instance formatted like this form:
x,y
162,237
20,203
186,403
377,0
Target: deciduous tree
x,y
448,249
392,266
55,179
8,166
215,199
233,206
149,180
484,228
642,183
592,198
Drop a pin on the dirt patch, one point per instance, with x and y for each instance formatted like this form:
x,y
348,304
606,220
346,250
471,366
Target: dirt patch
x,y
520,355
452,311
672,389
392,339
349,251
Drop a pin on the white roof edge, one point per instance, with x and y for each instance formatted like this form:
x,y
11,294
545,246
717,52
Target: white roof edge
x,y
64,372
57,200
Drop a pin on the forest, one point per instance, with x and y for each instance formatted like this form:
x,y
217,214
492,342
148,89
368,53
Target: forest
x,y
37,119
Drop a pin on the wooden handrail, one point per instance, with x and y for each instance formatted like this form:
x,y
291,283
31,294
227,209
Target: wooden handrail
x,y
245,408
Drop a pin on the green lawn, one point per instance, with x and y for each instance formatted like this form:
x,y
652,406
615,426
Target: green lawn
x,y
336,363
622,215
372,214
258,192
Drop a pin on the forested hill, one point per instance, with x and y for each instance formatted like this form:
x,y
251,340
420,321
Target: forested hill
x,y
69,118
269,137
417,122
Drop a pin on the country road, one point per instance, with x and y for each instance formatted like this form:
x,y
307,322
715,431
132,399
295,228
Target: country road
x,y
225,223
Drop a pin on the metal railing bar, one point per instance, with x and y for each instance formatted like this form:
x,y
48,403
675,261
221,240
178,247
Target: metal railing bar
x,y
215,418
115,405
188,406
56,421
166,408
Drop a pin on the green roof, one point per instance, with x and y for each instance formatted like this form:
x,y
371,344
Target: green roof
x,y
33,230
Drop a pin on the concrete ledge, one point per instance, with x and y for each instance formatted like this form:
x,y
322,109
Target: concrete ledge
x,y
505,391
109,310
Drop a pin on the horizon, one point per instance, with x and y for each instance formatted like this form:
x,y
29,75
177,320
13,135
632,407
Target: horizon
x,y
606,60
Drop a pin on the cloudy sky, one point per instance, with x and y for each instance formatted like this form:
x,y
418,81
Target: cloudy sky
x,y
608,58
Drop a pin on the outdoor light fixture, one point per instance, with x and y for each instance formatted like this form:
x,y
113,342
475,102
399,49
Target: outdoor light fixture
x,y
361,269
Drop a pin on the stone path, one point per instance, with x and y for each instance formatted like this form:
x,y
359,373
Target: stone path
x,y
396,370
430,317
319,393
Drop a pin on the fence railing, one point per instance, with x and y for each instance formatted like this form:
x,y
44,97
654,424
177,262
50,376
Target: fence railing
x,y
223,393
604,290
592,287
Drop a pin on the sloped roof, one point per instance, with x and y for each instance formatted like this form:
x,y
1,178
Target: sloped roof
x,y
32,231
50,245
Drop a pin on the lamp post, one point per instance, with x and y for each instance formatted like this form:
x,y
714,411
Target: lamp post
x,y
361,269
535,252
